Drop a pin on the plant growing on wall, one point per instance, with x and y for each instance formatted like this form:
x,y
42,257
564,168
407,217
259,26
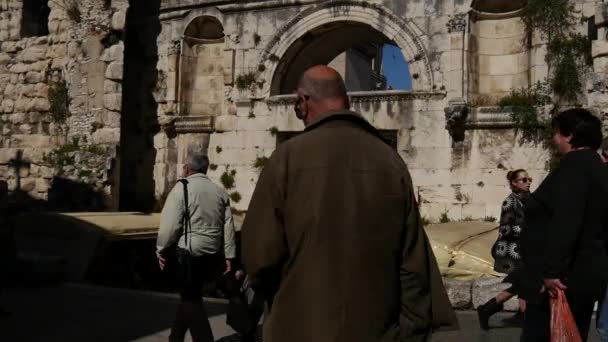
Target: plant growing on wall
x,y
273,131
260,162
527,111
227,179
568,53
235,197
245,81
72,9
59,100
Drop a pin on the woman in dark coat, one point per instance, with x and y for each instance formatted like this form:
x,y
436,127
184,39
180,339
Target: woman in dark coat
x,y
564,238
506,250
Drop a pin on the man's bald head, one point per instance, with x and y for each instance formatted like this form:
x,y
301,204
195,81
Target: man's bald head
x,y
320,90
322,82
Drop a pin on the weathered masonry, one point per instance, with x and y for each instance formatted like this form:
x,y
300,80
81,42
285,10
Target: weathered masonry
x,y
105,97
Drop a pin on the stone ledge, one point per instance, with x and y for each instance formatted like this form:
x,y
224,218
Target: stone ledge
x,y
469,294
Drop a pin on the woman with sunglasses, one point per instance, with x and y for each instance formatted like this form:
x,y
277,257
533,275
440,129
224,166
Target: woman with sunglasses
x,y
506,249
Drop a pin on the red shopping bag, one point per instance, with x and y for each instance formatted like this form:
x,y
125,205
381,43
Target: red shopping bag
x,y
563,326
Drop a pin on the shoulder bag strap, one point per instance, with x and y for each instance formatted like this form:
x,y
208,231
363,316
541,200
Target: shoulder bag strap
x,y
186,217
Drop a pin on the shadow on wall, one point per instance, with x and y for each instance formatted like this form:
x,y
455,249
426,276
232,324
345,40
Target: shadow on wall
x,y
139,121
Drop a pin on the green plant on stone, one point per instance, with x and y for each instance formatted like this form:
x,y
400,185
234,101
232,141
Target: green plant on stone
x,y
256,39
218,149
245,81
227,180
424,221
527,106
59,101
260,162
235,197
212,167
489,219
444,217
467,219
72,9
273,131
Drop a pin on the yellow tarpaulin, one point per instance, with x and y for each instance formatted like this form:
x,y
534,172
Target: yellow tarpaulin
x,y
463,248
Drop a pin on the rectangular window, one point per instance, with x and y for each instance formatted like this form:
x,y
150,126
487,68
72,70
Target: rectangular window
x,y
35,18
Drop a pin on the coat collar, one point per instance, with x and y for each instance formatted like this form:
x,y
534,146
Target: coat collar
x,y
345,115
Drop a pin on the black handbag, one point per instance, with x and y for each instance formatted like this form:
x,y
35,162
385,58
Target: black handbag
x,y
183,256
245,308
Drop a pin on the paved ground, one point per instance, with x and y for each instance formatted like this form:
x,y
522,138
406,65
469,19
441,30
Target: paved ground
x,y
75,313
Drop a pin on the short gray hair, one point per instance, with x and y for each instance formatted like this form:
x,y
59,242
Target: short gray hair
x,y
198,162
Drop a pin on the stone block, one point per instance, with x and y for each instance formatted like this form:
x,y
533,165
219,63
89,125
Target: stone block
x,y
26,128
32,54
599,48
484,289
28,184
18,118
8,106
113,53
113,102
475,211
432,211
32,77
106,136
9,90
41,90
56,51
42,185
115,71
46,172
459,293
225,123
119,19
110,87
490,194
110,119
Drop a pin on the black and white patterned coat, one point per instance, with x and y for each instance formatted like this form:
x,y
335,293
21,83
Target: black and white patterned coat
x,y
507,248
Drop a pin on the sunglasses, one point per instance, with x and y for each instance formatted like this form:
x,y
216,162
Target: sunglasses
x,y
524,180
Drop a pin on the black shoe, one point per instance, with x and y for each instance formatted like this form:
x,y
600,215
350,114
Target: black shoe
x,y
486,310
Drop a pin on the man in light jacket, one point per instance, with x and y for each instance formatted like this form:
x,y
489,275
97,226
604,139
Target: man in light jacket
x,y
210,242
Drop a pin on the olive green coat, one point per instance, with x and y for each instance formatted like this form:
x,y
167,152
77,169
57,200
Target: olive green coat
x,y
333,240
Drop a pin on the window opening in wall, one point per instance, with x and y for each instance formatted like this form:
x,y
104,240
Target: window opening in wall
x,y
591,28
35,18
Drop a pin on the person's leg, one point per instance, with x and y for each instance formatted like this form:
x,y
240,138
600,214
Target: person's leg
x,y
494,305
536,322
180,324
200,329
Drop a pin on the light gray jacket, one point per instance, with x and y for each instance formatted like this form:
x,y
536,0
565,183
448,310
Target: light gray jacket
x,y
210,215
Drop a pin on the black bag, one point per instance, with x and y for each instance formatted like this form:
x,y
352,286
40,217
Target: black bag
x,y
183,257
245,308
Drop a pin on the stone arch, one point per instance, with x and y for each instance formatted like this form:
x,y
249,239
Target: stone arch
x,y
401,32
196,14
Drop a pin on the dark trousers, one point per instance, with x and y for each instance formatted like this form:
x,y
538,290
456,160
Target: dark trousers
x,y
191,314
537,317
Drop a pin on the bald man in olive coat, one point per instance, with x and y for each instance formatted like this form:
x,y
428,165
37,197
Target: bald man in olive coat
x,y
333,238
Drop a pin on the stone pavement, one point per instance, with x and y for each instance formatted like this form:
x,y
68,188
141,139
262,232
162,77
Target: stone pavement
x,y
75,313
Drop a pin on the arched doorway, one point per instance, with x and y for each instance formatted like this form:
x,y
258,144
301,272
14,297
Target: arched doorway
x,y
356,50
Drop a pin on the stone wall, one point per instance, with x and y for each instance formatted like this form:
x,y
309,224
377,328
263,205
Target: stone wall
x,y
59,87
460,179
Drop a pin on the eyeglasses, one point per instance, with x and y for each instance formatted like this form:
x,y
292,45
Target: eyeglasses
x,y
524,180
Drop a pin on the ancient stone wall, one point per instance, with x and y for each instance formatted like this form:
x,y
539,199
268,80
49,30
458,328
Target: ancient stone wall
x,y
60,87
